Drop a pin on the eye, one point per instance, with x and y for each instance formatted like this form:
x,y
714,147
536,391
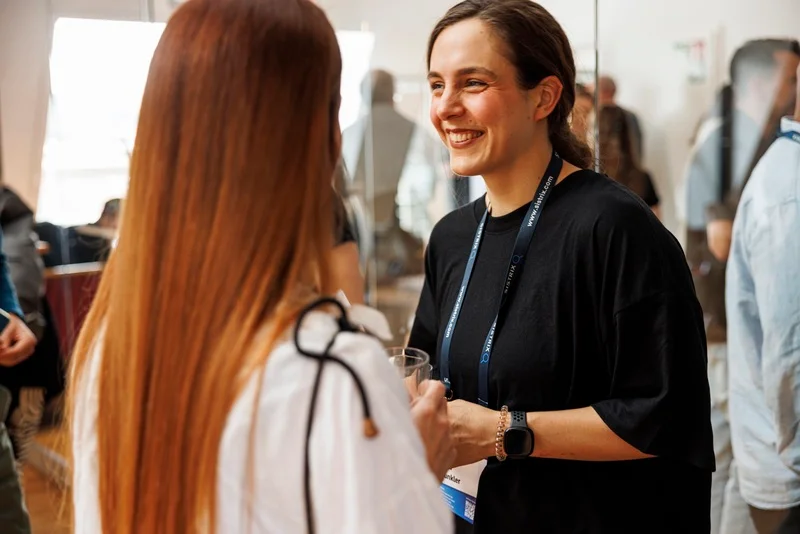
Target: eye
x,y
437,87
475,83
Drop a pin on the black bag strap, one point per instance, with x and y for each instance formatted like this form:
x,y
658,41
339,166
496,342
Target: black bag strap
x,y
726,144
370,430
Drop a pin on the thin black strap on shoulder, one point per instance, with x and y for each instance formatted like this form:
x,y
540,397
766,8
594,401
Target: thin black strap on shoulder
x,y
370,430
726,143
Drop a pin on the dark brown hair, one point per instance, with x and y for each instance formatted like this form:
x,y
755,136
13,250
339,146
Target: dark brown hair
x,y
538,48
236,137
617,153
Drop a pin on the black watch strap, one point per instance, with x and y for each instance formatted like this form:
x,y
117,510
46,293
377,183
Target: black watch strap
x,y
518,439
518,419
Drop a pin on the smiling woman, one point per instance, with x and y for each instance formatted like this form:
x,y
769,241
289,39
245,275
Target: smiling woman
x,y
558,297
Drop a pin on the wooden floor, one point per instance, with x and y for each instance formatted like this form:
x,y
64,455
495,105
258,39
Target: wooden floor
x,y
47,505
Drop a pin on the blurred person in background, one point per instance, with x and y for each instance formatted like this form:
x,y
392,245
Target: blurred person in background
x,y
763,307
189,387
93,242
619,159
40,374
13,511
607,96
346,259
395,169
84,243
762,92
728,145
17,343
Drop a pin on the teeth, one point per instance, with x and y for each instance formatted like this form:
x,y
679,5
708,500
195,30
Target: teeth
x,y
463,137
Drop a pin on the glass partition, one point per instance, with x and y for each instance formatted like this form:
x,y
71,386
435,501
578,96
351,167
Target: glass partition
x,y
708,83
399,183
398,166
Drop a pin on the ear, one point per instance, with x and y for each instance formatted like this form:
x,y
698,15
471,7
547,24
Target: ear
x,y
546,97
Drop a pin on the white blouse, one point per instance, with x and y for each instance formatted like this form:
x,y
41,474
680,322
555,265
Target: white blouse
x,y
381,485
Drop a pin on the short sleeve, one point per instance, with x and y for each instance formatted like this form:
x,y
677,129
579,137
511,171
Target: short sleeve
x,y
659,398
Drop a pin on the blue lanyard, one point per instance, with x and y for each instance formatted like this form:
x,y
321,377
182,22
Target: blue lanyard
x,y
794,136
521,246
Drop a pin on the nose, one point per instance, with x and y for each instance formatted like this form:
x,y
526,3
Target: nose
x,y
448,105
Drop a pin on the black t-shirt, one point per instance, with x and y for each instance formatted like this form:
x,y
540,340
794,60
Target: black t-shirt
x,y
604,315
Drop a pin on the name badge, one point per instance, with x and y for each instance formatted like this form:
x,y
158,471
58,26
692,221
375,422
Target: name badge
x,y
460,489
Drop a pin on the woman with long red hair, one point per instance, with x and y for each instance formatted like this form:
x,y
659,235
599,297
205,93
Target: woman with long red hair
x,y
189,396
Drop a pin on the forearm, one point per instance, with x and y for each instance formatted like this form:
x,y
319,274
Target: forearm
x,y
578,434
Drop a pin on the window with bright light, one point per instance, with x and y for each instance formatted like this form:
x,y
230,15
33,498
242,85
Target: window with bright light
x,y
98,71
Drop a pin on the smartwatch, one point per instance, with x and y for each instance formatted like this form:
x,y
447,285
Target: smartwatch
x,y
518,438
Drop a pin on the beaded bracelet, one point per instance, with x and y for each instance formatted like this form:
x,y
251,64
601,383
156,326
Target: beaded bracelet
x,y
499,449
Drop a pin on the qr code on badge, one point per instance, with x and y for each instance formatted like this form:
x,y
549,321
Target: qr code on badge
x,y
469,509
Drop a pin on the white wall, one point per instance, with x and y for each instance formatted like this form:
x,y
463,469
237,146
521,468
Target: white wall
x,y
402,28
637,47
25,33
24,85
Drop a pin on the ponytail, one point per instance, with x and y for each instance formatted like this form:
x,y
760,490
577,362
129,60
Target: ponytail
x,y
570,148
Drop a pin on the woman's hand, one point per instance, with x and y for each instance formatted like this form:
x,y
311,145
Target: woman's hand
x,y
429,412
473,429
17,342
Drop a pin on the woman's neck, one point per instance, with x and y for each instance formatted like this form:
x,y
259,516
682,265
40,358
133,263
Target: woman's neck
x,y
515,186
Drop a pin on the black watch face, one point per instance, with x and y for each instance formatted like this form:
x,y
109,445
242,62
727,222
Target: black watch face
x,y
518,442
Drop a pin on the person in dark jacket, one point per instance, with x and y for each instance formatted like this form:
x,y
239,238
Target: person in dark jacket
x,y
17,343
43,372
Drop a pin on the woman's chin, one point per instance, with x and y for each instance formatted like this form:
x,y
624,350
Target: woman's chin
x,y
465,168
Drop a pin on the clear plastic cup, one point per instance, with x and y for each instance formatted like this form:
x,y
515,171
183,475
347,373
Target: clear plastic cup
x,y
412,366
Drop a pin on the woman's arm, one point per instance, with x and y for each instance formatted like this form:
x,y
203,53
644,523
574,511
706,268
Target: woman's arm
x,y
578,434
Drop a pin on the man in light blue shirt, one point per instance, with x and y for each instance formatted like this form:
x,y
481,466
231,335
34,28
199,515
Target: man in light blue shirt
x,y
763,310
729,143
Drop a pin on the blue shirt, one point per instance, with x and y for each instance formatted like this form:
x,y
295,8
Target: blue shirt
x,y
8,295
704,173
763,308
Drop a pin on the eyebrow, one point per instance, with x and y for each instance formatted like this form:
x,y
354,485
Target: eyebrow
x,y
466,71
